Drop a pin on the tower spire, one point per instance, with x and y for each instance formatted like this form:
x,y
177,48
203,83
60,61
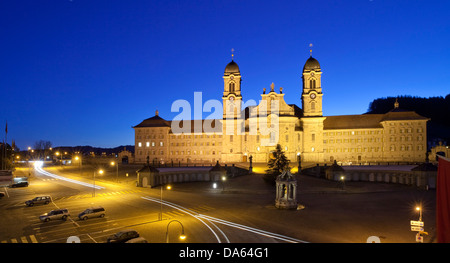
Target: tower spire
x,y
232,53
310,49
396,105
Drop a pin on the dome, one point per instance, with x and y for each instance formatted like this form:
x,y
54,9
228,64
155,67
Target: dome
x,y
311,64
232,67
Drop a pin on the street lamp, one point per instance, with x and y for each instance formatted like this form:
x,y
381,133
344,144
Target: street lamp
x,y
343,182
78,159
168,187
419,209
100,172
117,169
224,178
182,236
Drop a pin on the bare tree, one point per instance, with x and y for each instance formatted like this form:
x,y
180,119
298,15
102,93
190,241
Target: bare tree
x,y
41,149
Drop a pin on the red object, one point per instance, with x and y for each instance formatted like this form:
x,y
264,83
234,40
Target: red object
x,y
443,201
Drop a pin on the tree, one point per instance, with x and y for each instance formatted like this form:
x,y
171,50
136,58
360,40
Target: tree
x,y
41,149
277,164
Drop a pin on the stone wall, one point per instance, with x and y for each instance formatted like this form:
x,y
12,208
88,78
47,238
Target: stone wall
x,y
422,179
161,176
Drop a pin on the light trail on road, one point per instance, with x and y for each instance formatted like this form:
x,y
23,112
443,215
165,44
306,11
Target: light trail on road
x,y
252,229
40,170
189,212
227,223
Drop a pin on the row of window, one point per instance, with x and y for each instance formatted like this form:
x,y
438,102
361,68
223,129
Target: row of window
x,y
392,148
353,140
213,143
338,133
403,147
153,144
407,139
195,136
406,130
161,144
188,152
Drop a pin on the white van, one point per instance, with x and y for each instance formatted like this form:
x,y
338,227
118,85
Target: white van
x,y
92,212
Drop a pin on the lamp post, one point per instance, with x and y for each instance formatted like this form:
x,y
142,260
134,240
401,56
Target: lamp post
x,y
78,159
343,182
224,178
182,236
419,209
160,202
100,172
117,169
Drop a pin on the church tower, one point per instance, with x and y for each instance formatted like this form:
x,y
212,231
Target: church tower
x,y
312,88
233,120
312,120
232,98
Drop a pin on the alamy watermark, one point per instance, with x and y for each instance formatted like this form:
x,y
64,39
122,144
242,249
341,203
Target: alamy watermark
x,y
262,119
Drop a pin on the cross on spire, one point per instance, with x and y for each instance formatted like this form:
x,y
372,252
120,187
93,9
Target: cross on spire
x,y
310,49
232,55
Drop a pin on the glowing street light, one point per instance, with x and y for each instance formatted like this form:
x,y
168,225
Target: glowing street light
x,y
419,209
168,187
117,169
343,182
181,237
224,178
100,172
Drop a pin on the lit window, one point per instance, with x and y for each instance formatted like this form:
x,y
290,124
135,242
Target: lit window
x,y
139,144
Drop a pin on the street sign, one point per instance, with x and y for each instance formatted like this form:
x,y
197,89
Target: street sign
x,y
417,228
416,223
419,238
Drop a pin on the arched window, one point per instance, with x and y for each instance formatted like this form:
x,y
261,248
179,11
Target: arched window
x,y
313,106
312,83
231,87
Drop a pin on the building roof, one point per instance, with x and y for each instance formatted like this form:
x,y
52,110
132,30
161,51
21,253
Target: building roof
x,y
400,114
154,121
311,64
232,67
353,121
369,120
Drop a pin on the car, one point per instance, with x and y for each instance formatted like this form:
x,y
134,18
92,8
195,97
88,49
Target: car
x,y
55,214
39,200
137,240
123,236
19,184
92,212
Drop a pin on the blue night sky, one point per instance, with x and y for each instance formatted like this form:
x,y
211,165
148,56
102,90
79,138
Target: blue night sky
x,y
83,72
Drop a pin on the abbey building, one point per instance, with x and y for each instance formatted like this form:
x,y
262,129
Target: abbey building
x,y
396,136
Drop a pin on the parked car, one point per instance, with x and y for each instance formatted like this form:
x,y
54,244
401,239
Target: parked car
x,y
92,212
40,200
55,214
137,240
19,184
123,236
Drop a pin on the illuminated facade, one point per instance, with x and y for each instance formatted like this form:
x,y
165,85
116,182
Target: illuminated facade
x,y
396,136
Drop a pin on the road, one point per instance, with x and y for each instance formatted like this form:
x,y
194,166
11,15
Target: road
x,y
126,207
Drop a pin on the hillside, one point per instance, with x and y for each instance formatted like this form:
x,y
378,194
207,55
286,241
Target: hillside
x,y
97,150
